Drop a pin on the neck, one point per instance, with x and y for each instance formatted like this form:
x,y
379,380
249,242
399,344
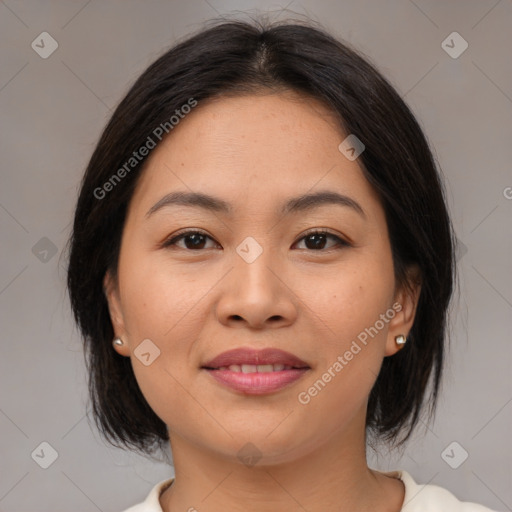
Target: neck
x,y
331,477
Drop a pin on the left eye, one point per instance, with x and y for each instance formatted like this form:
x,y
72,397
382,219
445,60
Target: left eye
x,y
196,240
318,239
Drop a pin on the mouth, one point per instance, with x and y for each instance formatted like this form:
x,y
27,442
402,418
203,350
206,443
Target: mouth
x,y
256,372
257,368
252,360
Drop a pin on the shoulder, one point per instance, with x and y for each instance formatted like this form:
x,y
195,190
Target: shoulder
x,y
432,498
152,501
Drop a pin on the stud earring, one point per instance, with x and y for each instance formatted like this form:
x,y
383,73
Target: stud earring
x,y
117,342
400,341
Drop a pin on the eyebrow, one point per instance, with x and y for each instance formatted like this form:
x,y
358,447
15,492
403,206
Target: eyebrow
x,y
294,205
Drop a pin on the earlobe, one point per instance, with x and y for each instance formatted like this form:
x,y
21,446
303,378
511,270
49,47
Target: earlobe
x,y
406,302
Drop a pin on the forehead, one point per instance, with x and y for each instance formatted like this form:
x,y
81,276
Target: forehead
x,y
251,150
268,126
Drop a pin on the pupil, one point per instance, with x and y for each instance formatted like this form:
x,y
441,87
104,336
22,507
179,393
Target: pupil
x,y
197,240
318,240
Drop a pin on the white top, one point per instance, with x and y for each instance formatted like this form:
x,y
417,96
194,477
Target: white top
x,y
418,498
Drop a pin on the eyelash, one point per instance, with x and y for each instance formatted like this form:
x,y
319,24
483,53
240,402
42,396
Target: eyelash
x,y
176,238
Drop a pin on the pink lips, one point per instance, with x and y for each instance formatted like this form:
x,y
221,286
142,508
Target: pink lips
x,y
251,356
254,382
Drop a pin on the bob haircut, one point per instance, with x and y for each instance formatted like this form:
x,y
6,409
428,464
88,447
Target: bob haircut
x,y
232,58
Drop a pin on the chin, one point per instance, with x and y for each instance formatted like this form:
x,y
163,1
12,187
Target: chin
x,y
262,447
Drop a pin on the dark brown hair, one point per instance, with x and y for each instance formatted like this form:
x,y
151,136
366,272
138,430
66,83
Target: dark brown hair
x,y
237,57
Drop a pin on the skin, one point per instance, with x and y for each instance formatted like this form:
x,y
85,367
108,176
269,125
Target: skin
x,y
256,152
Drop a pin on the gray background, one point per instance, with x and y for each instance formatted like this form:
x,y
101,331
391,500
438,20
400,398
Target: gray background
x,y
52,112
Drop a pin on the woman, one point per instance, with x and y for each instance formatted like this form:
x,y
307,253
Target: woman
x,y
261,266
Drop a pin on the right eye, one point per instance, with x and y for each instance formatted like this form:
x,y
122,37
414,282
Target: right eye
x,y
193,239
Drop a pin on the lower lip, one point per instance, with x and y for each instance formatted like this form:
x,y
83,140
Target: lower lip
x,y
257,383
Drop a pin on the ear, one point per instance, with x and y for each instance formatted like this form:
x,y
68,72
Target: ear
x,y
111,291
405,304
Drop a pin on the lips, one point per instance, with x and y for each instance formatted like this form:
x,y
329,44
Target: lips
x,y
248,359
256,372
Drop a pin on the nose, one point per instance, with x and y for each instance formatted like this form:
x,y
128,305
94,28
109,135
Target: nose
x,y
257,295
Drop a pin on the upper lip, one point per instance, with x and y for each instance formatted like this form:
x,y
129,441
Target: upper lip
x,y
241,356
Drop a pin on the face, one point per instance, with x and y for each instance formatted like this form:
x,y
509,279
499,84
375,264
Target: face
x,y
251,274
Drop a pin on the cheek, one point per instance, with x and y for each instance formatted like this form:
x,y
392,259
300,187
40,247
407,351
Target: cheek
x,y
161,304
349,298
161,298
350,354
